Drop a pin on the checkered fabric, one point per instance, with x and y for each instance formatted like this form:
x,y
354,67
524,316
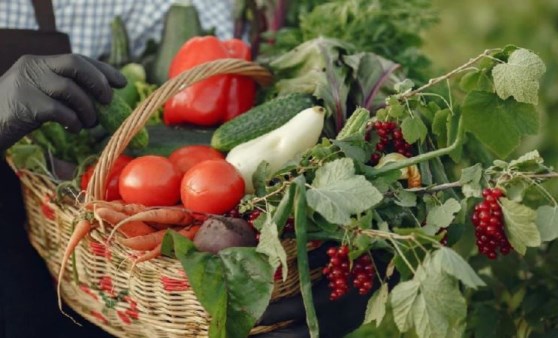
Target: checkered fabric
x,y
87,22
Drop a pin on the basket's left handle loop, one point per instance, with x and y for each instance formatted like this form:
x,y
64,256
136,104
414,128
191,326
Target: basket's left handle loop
x,y
139,117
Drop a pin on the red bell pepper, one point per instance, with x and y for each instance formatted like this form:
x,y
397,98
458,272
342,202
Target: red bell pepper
x,y
217,99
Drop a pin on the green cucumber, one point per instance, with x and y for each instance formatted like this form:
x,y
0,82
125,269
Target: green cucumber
x,y
111,116
163,140
260,120
120,47
134,73
181,24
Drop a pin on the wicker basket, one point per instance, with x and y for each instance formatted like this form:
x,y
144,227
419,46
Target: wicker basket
x,y
153,299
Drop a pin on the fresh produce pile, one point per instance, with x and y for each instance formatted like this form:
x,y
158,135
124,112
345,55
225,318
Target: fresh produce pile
x,y
352,144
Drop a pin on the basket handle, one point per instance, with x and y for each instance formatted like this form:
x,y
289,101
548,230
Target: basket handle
x,y
139,117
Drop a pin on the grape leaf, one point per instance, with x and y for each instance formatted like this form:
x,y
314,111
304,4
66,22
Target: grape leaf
x,y
470,180
431,303
270,245
498,124
547,222
450,262
441,216
337,193
520,225
413,129
376,308
519,77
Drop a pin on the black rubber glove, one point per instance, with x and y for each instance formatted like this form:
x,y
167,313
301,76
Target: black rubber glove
x,y
59,88
336,318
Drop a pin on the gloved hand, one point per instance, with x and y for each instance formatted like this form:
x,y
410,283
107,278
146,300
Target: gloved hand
x,y
336,318
59,88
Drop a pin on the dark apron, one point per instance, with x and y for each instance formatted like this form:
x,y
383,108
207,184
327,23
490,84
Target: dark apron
x,y
28,305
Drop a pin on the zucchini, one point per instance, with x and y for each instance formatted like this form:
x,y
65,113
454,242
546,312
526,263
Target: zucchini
x,y
181,24
111,116
163,140
120,46
134,73
260,120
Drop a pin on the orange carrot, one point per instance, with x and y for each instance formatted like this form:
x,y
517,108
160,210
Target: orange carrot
x,y
160,226
149,255
174,216
144,243
81,230
128,228
190,232
120,206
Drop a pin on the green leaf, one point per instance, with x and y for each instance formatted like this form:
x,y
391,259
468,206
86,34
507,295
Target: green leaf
x,y
337,193
405,198
519,77
370,72
353,151
531,161
520,227
376,308
441,216
28,156
404,86
470,180
270,245
498,124
234,286
547,222
403,296
259,178
448,261
476,80
440,128
413,129
431,303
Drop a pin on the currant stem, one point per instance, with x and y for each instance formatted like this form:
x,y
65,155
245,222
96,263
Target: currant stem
x,y
446,76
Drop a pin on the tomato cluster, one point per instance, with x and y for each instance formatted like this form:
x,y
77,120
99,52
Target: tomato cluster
x,y
198,176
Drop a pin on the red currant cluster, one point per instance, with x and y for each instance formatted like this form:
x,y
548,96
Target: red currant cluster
x,y
391,139
339,273
489,225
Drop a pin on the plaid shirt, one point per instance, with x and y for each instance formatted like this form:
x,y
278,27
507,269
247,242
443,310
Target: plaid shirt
x,y
87,22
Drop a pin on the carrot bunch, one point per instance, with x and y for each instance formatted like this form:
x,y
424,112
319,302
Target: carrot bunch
x,y
143,228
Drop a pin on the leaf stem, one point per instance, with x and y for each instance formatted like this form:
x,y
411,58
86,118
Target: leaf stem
x,y
403,257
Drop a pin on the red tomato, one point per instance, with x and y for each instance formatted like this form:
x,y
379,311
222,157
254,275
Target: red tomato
x,y
112,184
186,157
150,180
213,186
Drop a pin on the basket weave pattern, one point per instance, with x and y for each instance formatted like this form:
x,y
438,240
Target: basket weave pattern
x,y
154,298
